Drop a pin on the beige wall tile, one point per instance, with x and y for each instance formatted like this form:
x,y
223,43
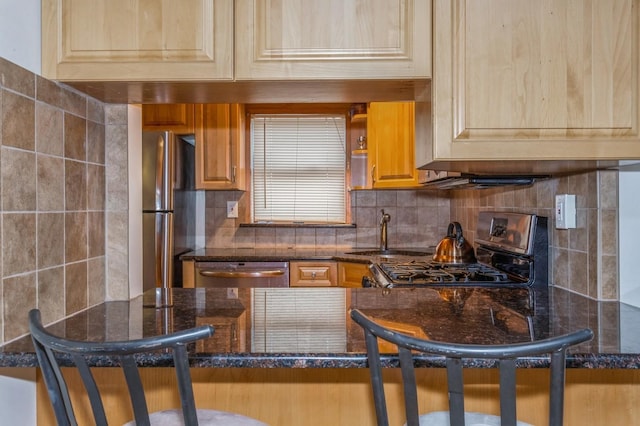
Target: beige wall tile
x,y
117,255
50,183
18,243
75,287
49,92
95,142
75,137
50,243
96,283
19,296
95,187
17,78
266,238
18,180
116,172
609,231
95,111
75,185
18,121
95,234
50,294
609,278
75,237
49,131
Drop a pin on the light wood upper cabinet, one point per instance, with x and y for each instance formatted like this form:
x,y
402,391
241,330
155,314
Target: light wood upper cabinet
x,y
391,145
108,40
332,39
198,40
220,147
178,118
524,80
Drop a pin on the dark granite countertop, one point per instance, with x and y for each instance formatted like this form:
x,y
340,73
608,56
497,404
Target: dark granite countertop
x,y
285,255
319,334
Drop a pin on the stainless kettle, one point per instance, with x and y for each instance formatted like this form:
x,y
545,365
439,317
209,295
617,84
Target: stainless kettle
x,y
454,248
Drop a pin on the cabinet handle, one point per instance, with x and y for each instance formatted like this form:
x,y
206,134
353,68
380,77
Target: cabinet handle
x,y
233,174
373,174
313,276
241,274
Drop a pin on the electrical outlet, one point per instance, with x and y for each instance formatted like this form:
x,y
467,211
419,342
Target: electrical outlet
x,y
565,211
232,209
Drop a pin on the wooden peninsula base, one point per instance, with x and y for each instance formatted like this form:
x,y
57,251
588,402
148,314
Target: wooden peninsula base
x,y
320,397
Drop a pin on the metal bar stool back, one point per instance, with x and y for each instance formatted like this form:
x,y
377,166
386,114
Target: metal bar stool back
x,y
50,349
505,357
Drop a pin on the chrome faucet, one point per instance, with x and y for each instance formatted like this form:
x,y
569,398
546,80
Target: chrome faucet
x,y
383,230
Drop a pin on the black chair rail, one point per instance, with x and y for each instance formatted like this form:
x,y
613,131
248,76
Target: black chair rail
x,y
505,356
48,345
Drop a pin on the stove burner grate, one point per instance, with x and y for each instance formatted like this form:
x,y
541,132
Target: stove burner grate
x,y
420,272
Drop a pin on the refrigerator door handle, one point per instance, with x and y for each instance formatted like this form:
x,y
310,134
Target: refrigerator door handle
x,y
164,250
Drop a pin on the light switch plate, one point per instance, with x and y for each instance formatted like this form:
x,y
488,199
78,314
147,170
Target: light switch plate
x,y
232,209
565,211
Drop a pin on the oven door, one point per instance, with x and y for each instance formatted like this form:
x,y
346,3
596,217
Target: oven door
x,y
242,274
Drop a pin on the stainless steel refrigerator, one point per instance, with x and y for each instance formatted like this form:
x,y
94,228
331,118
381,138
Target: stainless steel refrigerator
x,y
168,210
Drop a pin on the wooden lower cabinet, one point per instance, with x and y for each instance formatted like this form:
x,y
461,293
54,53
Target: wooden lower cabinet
x,y
350,273
313,274
320,397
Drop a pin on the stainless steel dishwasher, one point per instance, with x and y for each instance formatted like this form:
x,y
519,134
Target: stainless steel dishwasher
x,y
242,274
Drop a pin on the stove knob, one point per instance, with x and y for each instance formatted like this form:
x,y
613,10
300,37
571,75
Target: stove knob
x,y
366,282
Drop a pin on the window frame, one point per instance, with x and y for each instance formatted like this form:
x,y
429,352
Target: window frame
x,y
285,109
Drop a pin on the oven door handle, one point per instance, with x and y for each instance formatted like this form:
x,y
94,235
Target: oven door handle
x,y
215,273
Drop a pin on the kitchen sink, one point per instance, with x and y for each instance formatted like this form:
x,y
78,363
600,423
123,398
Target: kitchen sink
x,y
389,252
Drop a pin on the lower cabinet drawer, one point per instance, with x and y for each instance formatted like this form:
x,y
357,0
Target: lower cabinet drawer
x,y
313,274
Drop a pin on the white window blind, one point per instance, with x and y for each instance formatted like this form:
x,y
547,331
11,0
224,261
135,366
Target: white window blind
x,y
304,320
298,168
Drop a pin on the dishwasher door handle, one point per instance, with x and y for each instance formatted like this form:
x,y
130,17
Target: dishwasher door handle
x,y
216,273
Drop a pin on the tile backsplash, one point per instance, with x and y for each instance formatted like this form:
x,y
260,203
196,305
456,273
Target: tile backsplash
x,y
583,259
417,221
52,180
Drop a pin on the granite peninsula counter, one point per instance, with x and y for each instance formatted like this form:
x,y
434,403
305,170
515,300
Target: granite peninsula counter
x,y
256,327
293,357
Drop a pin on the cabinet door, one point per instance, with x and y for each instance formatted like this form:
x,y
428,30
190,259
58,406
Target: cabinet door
x,y
311,39
530,80
220,153
178,118
313,274
350,274
391,144
110,40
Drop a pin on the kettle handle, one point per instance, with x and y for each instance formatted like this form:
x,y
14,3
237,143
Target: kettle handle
x,y
458,233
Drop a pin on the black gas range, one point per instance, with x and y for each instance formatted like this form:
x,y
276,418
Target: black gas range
x,y
512,250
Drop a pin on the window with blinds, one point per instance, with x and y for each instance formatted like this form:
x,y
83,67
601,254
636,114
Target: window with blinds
x,y
298,168
305,320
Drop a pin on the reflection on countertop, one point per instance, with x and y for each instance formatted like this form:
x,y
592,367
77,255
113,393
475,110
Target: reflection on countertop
x,y
307,327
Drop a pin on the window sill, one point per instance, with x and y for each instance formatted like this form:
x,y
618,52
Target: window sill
x,y
296,225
